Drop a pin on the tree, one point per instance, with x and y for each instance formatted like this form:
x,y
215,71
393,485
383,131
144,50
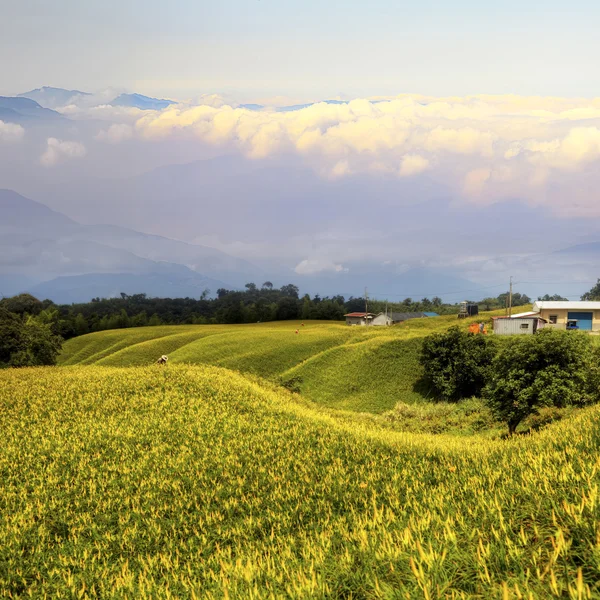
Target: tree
x,y
80,326
22,304
267,285
289,290
287,308
154,320
517,299
11,339
594,293
27,340
552,368
456,363
553,298
307,307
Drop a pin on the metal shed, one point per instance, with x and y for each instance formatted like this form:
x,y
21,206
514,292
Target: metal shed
x,y
517,325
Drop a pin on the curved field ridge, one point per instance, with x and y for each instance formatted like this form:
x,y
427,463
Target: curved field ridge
x,y
197,482
353,368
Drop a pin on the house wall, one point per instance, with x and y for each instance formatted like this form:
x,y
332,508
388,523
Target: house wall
x,y
561,321
381,320
514,326
355,321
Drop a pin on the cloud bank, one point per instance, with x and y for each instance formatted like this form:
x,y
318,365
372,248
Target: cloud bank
x,y
11,132
485,147
57,151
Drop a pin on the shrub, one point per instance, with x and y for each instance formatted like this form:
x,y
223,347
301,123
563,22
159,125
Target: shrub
x,y
551,368
456,363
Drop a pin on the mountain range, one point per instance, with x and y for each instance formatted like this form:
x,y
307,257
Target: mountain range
x,y
24,110
51,97
52,256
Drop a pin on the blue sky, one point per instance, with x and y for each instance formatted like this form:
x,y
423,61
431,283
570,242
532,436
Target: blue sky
x,y
309,49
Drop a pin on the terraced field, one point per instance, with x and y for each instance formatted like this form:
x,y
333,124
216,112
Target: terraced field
x,y
353,368
206,478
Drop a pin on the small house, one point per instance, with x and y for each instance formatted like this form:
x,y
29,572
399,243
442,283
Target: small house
x,y
359,318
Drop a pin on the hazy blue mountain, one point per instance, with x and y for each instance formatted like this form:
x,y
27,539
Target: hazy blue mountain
x,y
141,102
591,249
24,109
9,115
82,288
20,213
10,285
203,259
39,245
51,97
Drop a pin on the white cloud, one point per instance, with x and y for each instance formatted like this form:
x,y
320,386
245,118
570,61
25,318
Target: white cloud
x,y
58,150
117,132
11,132
476,180
311,266
413,164
487,147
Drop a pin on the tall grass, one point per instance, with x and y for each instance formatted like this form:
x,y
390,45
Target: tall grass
x,y
196,482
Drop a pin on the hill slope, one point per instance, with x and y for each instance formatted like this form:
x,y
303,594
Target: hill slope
x,y
354,368
197,482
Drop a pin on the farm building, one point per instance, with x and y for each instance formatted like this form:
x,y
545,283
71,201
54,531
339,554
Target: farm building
x,y
395,317
359,318
569,315
526,324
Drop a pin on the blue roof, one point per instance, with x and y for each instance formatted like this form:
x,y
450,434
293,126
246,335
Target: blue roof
x,y
430,314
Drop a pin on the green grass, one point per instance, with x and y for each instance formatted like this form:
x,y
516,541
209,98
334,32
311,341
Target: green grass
x,y
351,368
197,482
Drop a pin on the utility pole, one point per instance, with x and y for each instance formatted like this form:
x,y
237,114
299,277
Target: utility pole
x,y
366,306
510,298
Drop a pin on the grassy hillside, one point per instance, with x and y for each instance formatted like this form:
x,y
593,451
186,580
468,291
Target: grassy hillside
x,y
196,482
355,368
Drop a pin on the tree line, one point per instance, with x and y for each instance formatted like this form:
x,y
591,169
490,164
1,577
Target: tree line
x,y
32,331
251,305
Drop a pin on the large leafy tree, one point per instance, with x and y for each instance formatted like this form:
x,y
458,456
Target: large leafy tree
x,y
27,340
456,363
594,293
551,368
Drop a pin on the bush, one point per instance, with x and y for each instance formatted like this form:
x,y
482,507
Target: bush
x,y
552,368
456,363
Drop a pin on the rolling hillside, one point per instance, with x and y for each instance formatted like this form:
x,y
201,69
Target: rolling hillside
x,y
197,482
328,362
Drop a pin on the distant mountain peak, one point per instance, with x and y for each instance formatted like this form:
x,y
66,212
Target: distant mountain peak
x,y
47,89
141,102
21,108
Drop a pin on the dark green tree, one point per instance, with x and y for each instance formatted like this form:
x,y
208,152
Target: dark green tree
x,y
290,290
594,293
552,368
22,304
553,298
456,363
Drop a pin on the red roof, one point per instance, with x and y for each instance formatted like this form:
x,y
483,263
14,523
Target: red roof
x,y
359,314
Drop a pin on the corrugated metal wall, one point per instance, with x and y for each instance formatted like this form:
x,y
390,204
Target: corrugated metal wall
x,y
514,326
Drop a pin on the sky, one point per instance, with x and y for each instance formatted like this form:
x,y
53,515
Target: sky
x,y
306,49
468,139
